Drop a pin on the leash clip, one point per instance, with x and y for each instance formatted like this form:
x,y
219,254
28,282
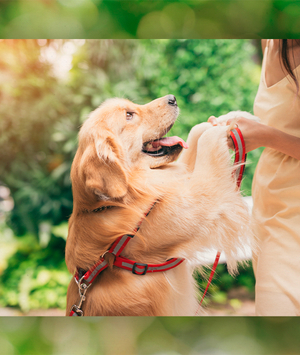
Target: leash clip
x,y
82,288
76,311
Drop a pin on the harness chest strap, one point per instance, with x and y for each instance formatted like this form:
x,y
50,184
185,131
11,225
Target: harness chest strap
x,y
142,269
124,263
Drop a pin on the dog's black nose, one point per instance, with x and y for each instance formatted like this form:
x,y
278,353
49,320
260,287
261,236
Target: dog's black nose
x,y
172,100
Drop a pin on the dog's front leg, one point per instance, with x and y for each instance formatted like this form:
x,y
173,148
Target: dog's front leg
x,y
219,203
212,154
188,156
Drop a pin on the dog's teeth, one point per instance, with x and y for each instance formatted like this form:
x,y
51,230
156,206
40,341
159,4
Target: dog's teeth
x,y
149,147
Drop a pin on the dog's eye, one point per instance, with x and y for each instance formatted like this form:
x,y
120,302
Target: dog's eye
x,y
129,116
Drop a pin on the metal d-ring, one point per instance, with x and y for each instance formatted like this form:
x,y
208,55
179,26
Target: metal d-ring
x,y
102,256
82,286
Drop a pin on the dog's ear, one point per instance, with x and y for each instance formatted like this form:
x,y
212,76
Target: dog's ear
x,y
103,170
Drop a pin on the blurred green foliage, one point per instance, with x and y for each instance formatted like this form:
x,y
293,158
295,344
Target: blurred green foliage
x,y
48,87
35,277
226,289
149,19
150,336
34,162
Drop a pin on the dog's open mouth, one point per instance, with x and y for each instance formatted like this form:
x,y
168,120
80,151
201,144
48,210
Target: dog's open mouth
x,y
164,146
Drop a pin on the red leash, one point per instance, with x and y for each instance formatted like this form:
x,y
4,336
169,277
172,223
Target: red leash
x,y
240,154
210,279
240,159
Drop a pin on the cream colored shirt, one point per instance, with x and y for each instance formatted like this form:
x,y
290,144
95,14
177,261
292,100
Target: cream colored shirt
x,y
276,196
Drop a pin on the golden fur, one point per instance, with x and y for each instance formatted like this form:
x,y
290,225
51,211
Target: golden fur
x,y
199,207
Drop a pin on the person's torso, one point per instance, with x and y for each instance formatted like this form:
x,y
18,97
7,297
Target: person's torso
x,y
278,105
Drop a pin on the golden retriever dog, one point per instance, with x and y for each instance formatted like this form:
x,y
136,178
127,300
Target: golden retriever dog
x,y
124,162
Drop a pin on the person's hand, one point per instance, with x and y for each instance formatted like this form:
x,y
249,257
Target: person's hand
x,y
213,120
253,132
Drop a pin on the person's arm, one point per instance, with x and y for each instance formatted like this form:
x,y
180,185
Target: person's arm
x,y
259,135
282,142
263,45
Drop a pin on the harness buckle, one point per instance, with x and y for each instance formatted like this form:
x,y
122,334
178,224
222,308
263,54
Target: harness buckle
x,y
139,265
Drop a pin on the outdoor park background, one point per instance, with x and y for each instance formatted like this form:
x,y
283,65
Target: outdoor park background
x,y
48,87
149,19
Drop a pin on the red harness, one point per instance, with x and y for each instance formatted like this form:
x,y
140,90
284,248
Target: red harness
x,y
85,279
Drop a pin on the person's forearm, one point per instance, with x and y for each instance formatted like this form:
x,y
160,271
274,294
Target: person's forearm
x,y
280,141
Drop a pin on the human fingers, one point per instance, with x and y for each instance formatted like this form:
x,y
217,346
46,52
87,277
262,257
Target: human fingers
x,y
229,122
213,120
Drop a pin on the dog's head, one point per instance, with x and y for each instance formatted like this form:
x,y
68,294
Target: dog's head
x,y
120,136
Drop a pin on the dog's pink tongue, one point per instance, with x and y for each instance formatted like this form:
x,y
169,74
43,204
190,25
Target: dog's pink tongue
x,y
169,142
